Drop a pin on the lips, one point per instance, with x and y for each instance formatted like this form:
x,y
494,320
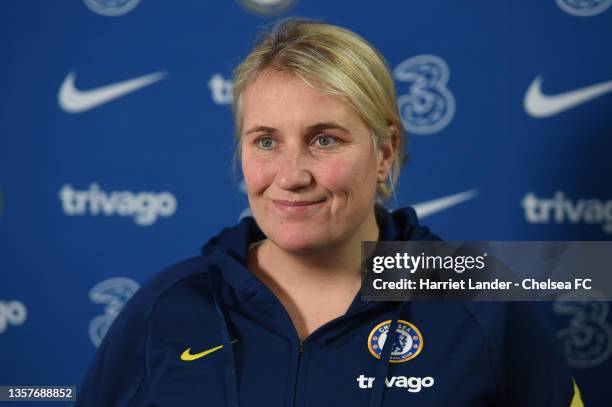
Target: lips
x,y
297,207
297,203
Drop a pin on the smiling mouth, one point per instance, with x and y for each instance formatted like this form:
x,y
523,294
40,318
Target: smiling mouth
x,y
296,205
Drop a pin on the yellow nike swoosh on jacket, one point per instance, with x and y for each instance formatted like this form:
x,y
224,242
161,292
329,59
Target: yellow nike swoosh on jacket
x,y
187,356
576,400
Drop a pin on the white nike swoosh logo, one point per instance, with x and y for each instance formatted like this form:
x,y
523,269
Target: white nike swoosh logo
x,y
73,100
424,209
539,105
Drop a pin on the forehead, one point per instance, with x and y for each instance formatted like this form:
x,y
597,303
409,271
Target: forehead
x,y
279,99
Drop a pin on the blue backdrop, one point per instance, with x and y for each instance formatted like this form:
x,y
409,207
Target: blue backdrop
x,y
116,147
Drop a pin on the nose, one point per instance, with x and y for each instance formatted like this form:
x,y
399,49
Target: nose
x,y
293,172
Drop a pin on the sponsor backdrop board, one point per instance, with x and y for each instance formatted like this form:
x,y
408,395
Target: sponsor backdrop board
x,y
116,148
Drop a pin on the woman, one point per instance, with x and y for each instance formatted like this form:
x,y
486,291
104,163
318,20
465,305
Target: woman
x,y
270,313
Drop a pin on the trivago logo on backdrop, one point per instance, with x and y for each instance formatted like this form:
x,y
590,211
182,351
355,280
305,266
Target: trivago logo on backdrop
x,y
12,313
562,209
144,207
221,89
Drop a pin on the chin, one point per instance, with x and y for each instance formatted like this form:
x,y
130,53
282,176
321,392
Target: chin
x,y
299,241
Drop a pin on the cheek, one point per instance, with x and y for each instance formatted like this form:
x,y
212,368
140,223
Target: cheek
x,y
257,175
347,174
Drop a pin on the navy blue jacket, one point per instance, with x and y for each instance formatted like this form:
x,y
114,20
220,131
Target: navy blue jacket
x,y
206,332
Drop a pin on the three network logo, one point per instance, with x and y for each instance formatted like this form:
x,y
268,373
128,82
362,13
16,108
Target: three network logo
x,y
587,337
114,293
428,106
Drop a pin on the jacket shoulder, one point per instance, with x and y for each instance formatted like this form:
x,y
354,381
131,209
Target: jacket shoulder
x,y
175,274
186,273
528,363
119,367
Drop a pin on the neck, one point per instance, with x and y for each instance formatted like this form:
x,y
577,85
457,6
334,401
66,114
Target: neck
x,y
318,286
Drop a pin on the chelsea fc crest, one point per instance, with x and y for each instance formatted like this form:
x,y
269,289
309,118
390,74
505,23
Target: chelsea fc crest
x,y
408,345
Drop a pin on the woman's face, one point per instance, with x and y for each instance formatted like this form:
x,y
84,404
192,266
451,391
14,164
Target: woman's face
x,y
309,163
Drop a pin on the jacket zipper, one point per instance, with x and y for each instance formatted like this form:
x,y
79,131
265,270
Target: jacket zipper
x,y
302,350
298,370
301,342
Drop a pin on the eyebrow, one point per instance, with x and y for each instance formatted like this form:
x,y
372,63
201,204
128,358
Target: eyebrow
x,y
311,129
257,129
326,126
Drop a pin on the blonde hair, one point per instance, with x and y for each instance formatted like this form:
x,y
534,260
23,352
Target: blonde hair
x,y
336,62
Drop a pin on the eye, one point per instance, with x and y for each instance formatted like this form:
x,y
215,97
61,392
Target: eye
x,y
266,143
324,140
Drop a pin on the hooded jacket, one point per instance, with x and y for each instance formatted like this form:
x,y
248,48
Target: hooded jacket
x,y
206,332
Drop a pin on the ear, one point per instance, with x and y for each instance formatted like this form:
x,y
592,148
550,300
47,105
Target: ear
x,y
387,154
